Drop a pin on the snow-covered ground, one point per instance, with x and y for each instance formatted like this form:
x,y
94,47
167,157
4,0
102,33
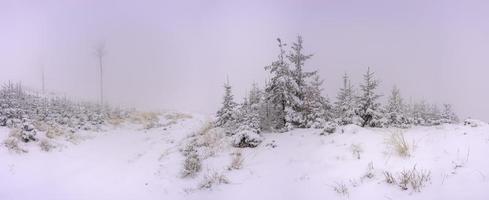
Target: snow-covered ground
x,y
129,162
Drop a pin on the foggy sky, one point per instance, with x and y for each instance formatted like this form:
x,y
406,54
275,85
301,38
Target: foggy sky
x,y
177,54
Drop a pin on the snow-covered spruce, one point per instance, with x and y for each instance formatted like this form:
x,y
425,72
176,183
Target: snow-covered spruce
x,y
242,122
282,92
396,110
368,107
316,109
345,104
226,116
292,98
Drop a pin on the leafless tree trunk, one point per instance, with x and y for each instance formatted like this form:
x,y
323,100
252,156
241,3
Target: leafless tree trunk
x,y
43,80
100,52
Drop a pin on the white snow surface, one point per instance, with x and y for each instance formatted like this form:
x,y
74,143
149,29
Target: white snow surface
x,y
128,162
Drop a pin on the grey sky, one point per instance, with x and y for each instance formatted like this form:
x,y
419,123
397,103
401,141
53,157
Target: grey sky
x,y
176,55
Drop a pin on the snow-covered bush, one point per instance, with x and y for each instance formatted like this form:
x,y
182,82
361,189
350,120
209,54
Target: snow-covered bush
x,y
211,179
46,145
34,116
329,128
192,165
341,189
54,130
245,139
12,144
211,141
473,123
448,116
174,118
23,135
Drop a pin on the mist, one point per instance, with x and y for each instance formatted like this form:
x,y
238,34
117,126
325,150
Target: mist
x,y
177,55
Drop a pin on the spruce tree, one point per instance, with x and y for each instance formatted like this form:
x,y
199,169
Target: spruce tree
x,y
345,104
316,107
448,116
226,115
395,110
368,107
434,115
419,113
255,95
247,117
297,58
282,91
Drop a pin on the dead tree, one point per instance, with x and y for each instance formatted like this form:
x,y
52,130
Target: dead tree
x,y
100,53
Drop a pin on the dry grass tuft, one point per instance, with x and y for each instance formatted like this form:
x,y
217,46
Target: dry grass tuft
x,y
147,119
399,145
416,179
12,144
211,179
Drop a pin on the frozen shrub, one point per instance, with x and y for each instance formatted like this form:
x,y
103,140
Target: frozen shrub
x,y
329,128
28,136
148,120
244,139
404,179
23,135
54,131
12,144
211,138
417,179
211,179
341,189
189,148
237,161
177,116
115,121
205,128
46,145
32,113
473,123
192,165
389,178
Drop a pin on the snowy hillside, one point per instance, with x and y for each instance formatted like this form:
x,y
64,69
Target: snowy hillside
x,y
130,161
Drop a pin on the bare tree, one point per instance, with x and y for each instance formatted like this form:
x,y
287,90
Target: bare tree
x,y
43,81
100,53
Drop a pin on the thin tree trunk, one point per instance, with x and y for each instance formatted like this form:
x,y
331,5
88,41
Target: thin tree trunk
x,y
101,83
